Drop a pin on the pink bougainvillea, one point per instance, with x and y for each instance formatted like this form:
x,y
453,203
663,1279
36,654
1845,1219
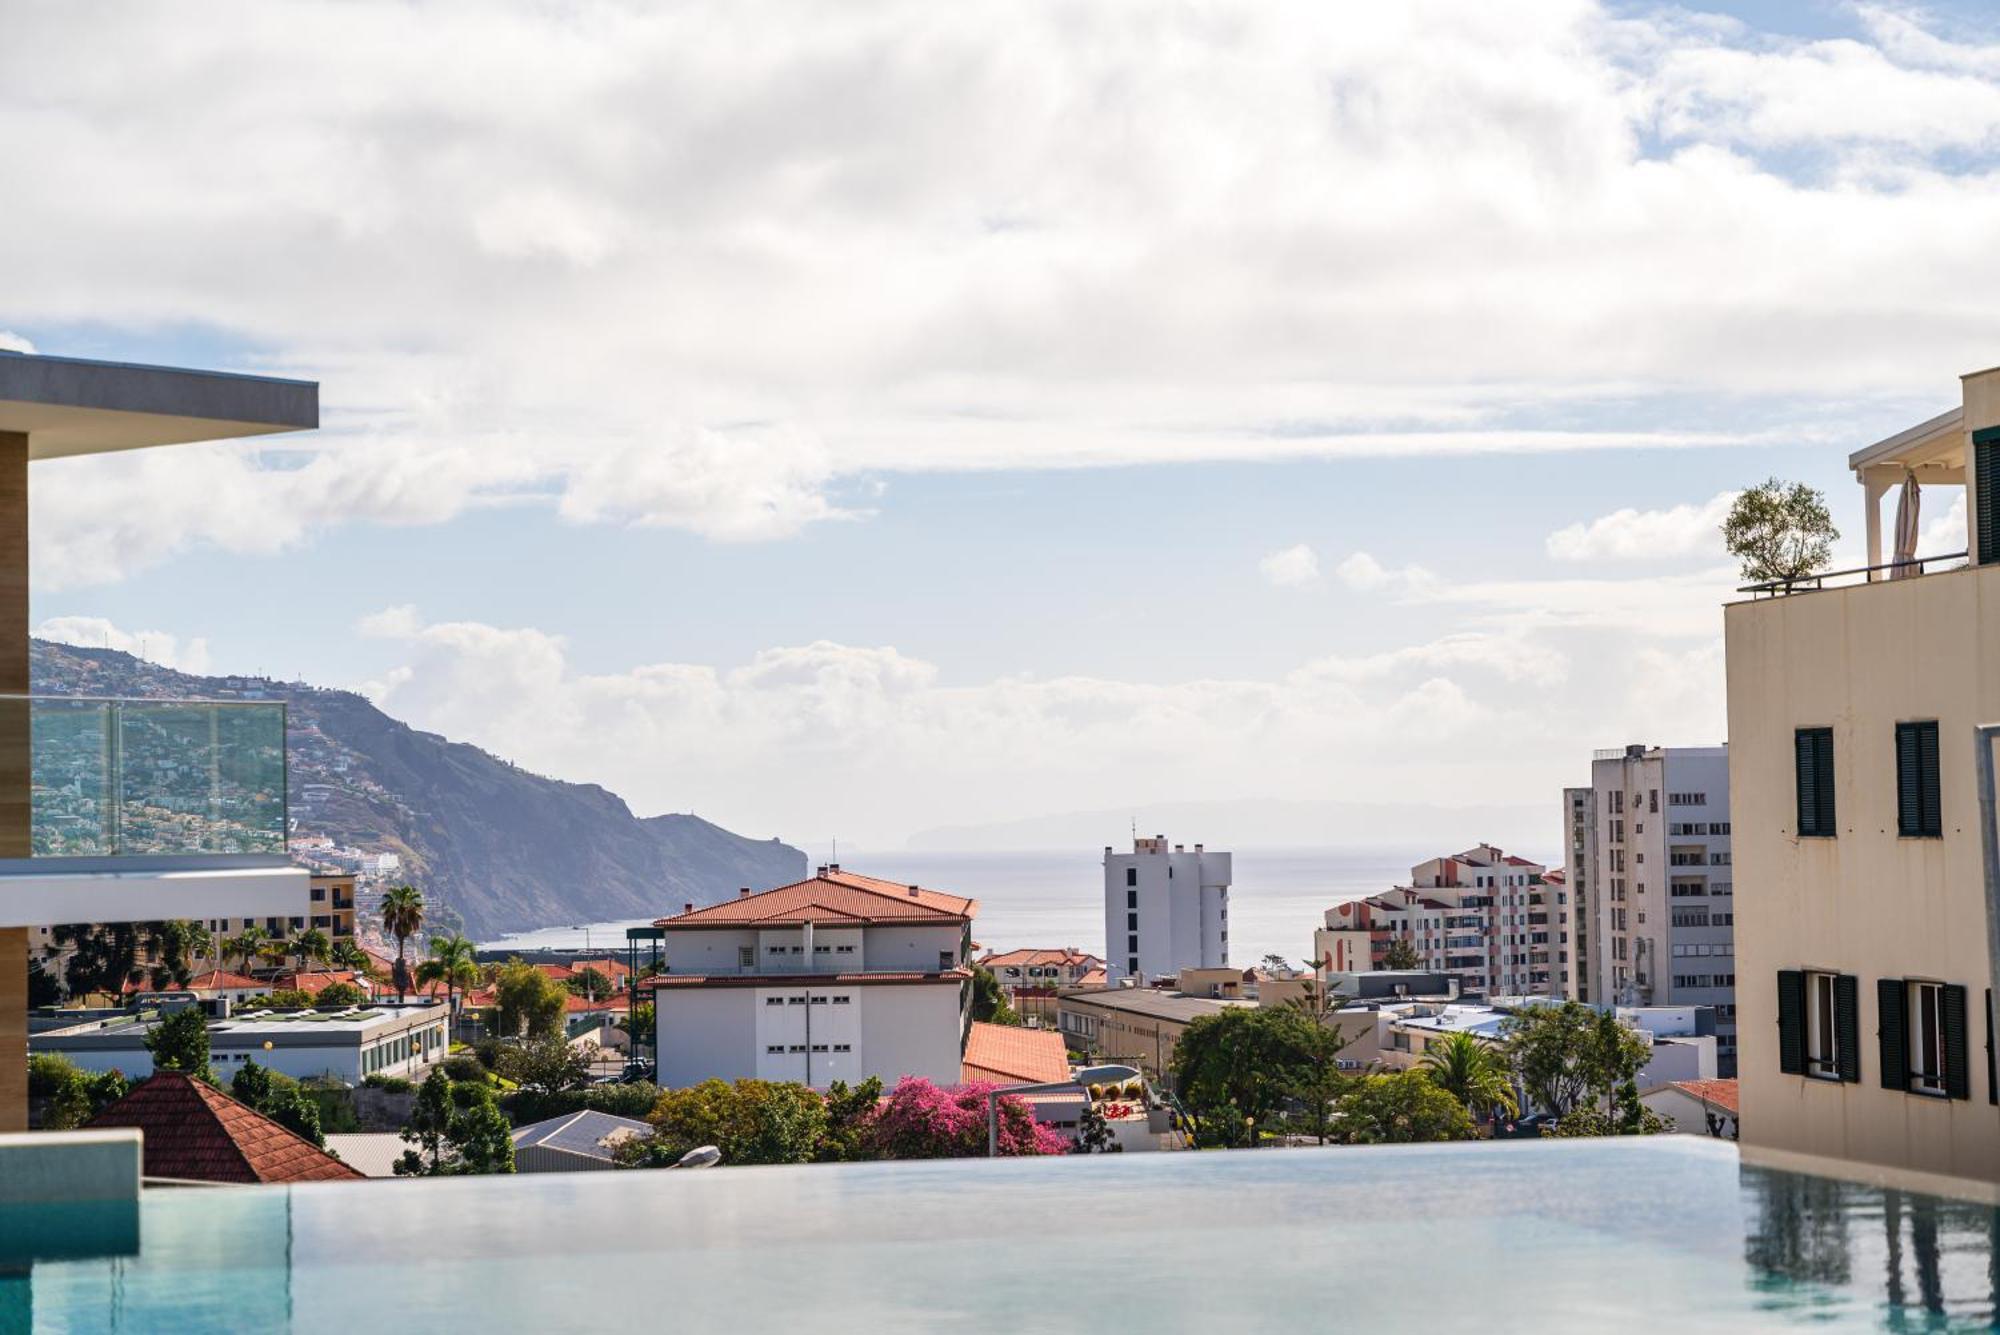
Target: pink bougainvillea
x,y
918,1120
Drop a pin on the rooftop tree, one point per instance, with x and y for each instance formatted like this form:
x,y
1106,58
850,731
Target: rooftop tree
x,y
1779,531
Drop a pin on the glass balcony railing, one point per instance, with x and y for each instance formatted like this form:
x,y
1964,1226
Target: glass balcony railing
x,y
118,778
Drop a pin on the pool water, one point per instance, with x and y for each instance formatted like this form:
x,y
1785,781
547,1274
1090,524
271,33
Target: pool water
x,y
1616,1235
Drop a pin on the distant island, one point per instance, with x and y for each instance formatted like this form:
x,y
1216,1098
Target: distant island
x,y
504,850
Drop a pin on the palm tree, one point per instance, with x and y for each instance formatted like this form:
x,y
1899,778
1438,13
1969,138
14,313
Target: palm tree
x,y
246,945
1470,1072
402,916
276,950
454,963
349,956
312,945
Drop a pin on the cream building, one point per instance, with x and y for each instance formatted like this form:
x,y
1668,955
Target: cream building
x,y
1865,930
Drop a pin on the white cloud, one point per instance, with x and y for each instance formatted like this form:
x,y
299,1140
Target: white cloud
x,y
1364,574
1645,535
13,342
1291,567
154,646
697,265
874,742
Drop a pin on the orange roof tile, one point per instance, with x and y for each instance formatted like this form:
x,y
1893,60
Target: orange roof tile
x,y
195,1132
829,897
1068,955
1721,1093
1007,1054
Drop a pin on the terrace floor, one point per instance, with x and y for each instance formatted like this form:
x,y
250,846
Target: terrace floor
x,y
1526,1236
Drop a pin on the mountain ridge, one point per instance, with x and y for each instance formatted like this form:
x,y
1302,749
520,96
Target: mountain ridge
x,y
505,849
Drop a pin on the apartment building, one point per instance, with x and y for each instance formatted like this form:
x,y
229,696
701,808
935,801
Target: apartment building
x,y
348,1045
1165,909
135,810
1868,936
1138,1026
838,977
1580,878
1492,920
1031,978
1650,845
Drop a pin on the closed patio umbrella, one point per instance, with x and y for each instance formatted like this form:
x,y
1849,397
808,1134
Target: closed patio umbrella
x,y
1909,501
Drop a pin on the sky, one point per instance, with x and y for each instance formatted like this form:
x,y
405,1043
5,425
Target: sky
x,y
841,421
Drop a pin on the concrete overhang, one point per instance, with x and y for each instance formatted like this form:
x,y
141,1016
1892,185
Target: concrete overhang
x,y
69,406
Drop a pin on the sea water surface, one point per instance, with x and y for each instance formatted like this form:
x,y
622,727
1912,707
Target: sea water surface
x,y
1057,898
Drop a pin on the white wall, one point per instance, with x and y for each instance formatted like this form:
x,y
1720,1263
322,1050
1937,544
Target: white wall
x,y
1182,909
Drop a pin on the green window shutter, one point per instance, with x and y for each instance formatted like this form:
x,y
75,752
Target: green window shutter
x,y
1909,798
1992,1073
1847,1025
1812,760
1791,1022
1986,470
1957,1070
1892,1031
1929,798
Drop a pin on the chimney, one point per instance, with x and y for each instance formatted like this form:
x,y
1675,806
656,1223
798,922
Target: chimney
x,y
833,866
820,872
743,892
687,908
913,892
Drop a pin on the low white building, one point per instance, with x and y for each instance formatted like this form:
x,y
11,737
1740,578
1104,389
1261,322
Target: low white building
x,y
839,977
346,1045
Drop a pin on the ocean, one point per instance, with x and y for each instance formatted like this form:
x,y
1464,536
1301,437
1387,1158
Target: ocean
x,y
1057,898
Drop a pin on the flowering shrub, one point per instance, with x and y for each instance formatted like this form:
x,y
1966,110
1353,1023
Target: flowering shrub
x,y
921,1121
1114,1111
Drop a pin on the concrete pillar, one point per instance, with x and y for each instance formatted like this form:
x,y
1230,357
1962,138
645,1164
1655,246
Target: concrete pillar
x,y
14,770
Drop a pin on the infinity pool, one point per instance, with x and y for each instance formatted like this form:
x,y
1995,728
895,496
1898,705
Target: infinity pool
x,y
1546,1237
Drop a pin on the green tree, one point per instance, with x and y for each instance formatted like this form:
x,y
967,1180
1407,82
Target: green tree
x,y
312,946
527,1002
348,955
547,1065
73,1095
247,946
402,918
101,957
1094,1134
847,1112
180,1042
590,984
1472,1072
751,1122
1550,1047
1403,1108
1779,531
279,1098
281,998
481,1139
454,961
1317,1080
335,996
1232,1069
428,1130
989,1000
1401,955
178,944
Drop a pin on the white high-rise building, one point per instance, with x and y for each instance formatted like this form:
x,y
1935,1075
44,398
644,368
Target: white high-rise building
x,y
1648,850
1165,911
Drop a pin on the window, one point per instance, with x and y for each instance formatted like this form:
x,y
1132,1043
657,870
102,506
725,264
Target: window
x,y
819,1047
1131,945
842,1001
1917,799
1830,1025
819,1001
774,1001
774,1049
1687,799
1132,965
774,950
795,1001
1812,760
1986,478
1922,1030
843,1047
843,950
1131,876
746,957
1131,922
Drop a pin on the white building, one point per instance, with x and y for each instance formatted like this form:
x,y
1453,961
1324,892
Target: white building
x,y
1493,921
348,1045
1649,861
1165,911
839,977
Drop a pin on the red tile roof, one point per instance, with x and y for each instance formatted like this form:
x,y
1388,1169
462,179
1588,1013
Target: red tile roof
x,y
1068,955
210,981
1006,1054
832,896
195,1132
1721,1093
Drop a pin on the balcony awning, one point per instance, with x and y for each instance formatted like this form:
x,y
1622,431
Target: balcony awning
x,y
1934,450
69,406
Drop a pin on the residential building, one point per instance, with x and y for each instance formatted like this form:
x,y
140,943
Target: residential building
x,y
1031,978
1491,919
1696,1107
1165,910
1135,1025
578,1142
1869,931
125,811
348,1045
196,1133
1658,896
1006,1054
838,977
1680,1039
1580,878
332,899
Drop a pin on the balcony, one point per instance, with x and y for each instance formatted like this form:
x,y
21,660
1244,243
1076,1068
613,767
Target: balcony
x,y
142,809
